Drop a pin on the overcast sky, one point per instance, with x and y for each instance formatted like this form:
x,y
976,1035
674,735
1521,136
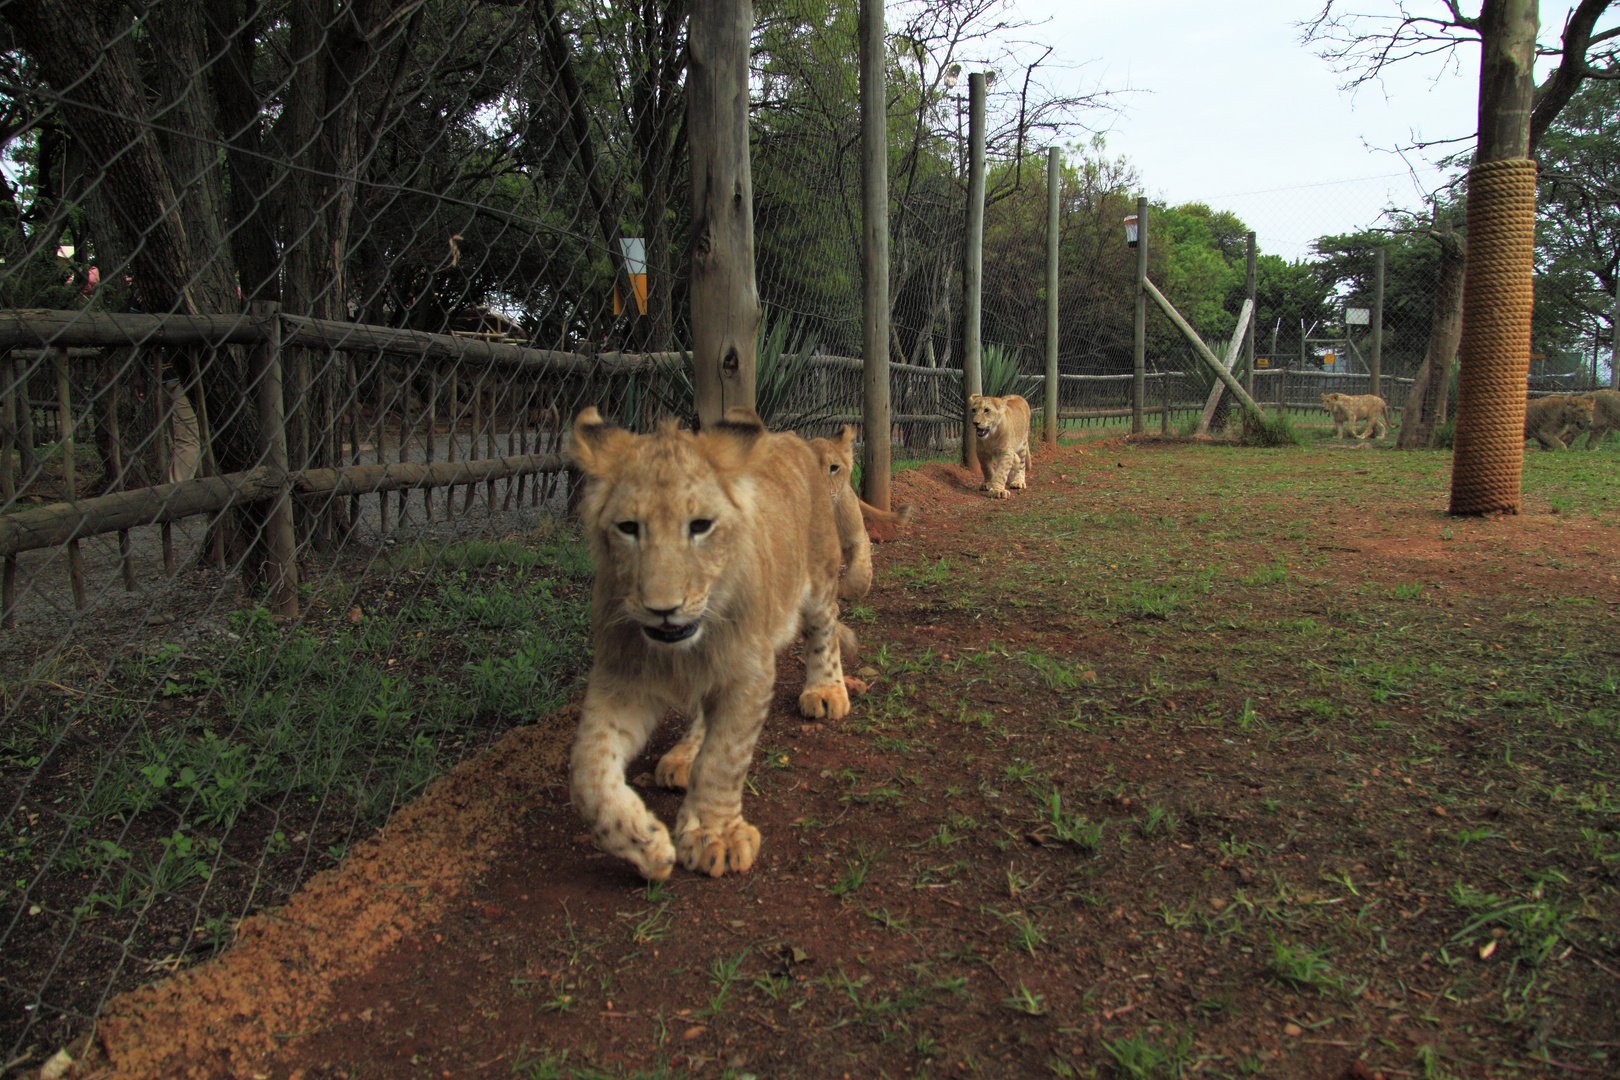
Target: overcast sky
x,y
1230,109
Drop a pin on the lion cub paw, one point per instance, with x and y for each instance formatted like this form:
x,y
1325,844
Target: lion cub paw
x,y
646,845
999,493
714,851
830,702
1017,485
675,768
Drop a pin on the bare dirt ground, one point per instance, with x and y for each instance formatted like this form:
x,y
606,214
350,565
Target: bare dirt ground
x,y
1191,760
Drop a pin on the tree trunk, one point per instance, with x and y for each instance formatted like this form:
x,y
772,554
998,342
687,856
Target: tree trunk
x,y
1426,403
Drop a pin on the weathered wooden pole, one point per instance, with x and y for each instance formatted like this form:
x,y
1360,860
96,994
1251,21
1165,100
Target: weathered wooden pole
x,y
1251,283
8,482
1139,331
280,541
116,448
1614,341
1375,363
874,254
165,425
1054,182
973,264
1487,462
725,301
70,487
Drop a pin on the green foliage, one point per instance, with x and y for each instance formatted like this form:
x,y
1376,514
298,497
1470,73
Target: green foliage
x,y
1001,373
1270,429
782,364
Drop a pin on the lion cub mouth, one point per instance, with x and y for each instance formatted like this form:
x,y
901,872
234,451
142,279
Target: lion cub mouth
x,y
981,429
669,634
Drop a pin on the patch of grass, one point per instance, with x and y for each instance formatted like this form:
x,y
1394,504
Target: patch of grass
x,y
1302,965
1141,1057
855,872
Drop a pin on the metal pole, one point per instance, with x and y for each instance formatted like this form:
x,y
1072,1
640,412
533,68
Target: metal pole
x,y
1251,283
1139,343
1375,365
874,255
1054,181
973,262
725,300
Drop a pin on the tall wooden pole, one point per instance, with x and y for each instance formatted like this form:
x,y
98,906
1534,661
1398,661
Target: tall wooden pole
x,y
1614,339
280,541
70,487
1251,283
725,300
1054,181
1375,365
8,483
875,254
973,263
1139,338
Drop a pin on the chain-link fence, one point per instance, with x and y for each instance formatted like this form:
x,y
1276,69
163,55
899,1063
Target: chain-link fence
x,y
300,301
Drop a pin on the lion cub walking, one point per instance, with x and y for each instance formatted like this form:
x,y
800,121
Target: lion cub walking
x,y
837,457
713,552
1351,409
1002,425
1553,419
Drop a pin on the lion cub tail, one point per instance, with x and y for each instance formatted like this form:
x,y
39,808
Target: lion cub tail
x,y
848,647
901,516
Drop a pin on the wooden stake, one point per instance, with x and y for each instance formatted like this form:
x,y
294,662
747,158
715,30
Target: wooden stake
x,y
165,422
70,489
1054,181
431,449
724,298
115,445
477,431
973,267
875,407
8,482
1202,350
281,539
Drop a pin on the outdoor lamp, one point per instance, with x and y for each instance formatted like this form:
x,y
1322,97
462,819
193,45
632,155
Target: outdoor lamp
x,y
1131,229
952,74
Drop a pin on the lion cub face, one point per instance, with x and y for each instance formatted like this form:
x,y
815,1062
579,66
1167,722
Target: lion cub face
x,y
837,457
1581,412
663,518
987,413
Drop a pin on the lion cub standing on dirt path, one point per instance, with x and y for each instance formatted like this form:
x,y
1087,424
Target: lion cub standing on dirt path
x,y
713,552
1351,409
837,457
1549,420
1605,418
1002,427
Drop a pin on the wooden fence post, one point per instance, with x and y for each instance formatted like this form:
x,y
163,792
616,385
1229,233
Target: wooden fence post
x,y
1139,331
725,300
1164,393
353,378
875,410
116,447
70,487
8,482
1375,363
1251,283
973,267
1054,181
431,449
281,542
165,421
477,431
383,408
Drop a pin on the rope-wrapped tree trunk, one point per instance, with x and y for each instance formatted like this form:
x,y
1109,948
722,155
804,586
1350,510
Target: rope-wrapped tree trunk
x,y
1498,291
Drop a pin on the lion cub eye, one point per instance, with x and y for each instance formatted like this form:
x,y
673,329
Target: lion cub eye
x,y
629,528
833,467
699,526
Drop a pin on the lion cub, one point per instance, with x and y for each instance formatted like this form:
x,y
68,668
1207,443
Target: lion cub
x,y
1002,425
1549,419
1349,409
1605,418
837,457
713,552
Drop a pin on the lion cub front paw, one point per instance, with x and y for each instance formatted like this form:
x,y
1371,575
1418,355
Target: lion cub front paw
x,y
1017,485
830,702
645,844
714,851
675,768
999,493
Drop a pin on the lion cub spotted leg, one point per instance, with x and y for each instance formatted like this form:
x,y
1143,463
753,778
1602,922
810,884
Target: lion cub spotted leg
x,y
995,471
612,730
1019,480
711,836
675,767
825,694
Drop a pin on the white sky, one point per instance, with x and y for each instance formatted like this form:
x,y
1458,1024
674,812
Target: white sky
x,y
1233,111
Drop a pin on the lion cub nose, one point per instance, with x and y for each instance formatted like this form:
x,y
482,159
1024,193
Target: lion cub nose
x,y
663,613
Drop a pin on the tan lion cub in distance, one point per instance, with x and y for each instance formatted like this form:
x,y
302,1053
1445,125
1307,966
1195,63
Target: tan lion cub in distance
x,y
713,552
1002,427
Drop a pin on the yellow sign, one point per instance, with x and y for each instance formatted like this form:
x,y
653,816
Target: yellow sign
x,y
1262,361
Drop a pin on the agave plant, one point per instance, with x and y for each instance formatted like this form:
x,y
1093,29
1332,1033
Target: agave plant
x,y
1000,373
782,361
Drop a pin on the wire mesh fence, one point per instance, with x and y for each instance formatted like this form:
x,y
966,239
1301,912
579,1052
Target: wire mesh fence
x,y
299,302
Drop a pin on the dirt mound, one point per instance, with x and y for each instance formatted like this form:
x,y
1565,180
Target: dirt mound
x,y
225,1016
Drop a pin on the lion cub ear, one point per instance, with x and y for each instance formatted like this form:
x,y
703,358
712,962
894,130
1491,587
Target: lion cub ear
x,y
974,399
845,440
730,442
596,444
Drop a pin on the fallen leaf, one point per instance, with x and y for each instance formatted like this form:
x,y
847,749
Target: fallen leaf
x,y
1293,1029
1486,949
694,1031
